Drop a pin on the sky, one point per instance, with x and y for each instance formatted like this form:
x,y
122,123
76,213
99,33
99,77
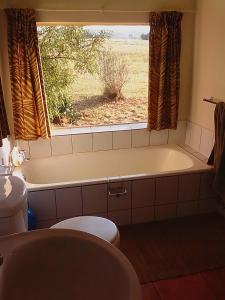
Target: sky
x,y
121,31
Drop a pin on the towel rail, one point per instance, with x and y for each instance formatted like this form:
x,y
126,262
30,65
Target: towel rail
x,y
210,100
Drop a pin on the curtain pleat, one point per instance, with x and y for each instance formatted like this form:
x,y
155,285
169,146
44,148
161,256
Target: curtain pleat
x,y
28,95
4,127
164,75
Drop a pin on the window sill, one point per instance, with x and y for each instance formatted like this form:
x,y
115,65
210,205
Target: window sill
x,y
96,129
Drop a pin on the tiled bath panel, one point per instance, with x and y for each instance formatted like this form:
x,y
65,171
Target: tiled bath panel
x,y
76,140
137,201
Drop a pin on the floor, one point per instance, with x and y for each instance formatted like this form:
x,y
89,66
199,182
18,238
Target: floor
x,y
202,286
180,259
174,248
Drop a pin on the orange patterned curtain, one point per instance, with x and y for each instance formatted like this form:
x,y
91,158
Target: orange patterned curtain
x,y
28,94
4,127
164,81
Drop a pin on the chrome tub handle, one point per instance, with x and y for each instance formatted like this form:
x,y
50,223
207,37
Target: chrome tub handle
x,y
118,194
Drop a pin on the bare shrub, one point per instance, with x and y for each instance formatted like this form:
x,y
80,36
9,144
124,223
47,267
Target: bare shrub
x,y
113,73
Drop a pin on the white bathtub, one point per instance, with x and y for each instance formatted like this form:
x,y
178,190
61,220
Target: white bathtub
x,y
102,166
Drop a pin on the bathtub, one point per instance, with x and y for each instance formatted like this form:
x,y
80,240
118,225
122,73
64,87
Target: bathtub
x,y
103,166
128,186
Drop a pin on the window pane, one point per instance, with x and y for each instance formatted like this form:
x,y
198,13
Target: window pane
x,y
95,75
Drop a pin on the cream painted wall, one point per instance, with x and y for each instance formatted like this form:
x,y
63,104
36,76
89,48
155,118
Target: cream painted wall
x,y
209,60
133,5
186,63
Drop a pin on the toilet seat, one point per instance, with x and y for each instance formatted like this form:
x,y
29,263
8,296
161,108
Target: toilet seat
x,y
100,227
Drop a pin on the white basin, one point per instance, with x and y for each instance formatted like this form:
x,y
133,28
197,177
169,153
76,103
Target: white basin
x,y
64,264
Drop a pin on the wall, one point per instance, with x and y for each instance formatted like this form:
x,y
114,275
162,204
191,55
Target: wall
x,y
209,61
110,4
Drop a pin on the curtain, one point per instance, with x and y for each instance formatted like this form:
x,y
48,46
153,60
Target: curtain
x,y
4,127
28,94
164,81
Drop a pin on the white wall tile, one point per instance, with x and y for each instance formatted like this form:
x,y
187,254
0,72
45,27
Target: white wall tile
x,y
102,215
121,202
195,136
40,148
94,198
140,137
5,151
206,143
122,217
24,145
121,139
159,137
188,134
166,190
143,192
68,202
43,204
142,215
187,208
178,136
82,142
189,186
102,141
61,145
164,212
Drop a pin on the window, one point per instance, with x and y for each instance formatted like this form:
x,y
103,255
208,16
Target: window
x,y
95,75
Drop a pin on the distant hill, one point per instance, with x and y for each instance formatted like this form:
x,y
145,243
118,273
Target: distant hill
x,y
121,31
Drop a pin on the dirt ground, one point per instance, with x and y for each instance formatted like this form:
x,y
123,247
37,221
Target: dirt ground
x,y
97,110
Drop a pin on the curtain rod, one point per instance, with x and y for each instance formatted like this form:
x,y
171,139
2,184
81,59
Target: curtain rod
x,y
104,10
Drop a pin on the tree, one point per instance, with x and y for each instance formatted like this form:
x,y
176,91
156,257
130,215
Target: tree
x,y
113,73
145,36
66,52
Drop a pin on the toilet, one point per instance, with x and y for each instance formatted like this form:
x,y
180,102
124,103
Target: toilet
x,y
97,226
13,205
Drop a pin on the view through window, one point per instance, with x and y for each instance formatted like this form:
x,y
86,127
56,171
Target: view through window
x,y
95,75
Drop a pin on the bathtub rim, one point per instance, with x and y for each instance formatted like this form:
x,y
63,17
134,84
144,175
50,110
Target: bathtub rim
x,y
198,167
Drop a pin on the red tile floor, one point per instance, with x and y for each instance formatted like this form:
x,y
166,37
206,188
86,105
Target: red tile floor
x,y
208,285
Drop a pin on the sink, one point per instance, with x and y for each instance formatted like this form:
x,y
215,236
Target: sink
x,y
64,264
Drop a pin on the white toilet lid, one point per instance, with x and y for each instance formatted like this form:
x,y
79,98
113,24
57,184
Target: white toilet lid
x,y
100,227
13,193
